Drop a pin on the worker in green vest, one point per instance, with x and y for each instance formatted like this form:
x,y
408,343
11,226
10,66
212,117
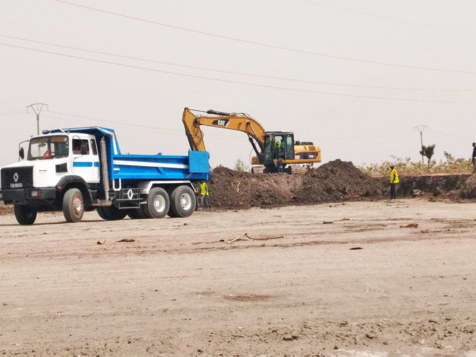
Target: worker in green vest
x,y
204,193
278,148
393,182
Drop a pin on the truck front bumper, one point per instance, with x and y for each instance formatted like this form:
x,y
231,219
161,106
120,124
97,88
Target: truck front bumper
x,y
33,196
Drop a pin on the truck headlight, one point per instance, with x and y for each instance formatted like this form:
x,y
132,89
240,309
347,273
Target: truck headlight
x,y
36,193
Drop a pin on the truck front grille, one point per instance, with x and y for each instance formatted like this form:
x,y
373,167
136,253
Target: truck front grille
x,y
18,177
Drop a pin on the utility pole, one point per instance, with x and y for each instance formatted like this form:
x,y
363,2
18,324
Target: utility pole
x,y
37,108
421,128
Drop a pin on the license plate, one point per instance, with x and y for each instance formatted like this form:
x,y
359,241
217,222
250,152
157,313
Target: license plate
x,y
16,185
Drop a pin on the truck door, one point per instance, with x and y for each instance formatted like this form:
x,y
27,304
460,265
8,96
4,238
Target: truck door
x,y
95,157
83,160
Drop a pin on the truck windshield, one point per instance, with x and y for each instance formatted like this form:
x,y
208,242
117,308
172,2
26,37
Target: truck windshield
x,y
48,147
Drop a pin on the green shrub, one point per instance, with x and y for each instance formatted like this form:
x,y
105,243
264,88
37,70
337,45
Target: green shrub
x,y
450,165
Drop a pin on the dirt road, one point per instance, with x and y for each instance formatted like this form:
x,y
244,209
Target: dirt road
x,y
357,285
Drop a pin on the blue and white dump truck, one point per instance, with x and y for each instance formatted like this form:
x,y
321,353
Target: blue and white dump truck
x,y
82,169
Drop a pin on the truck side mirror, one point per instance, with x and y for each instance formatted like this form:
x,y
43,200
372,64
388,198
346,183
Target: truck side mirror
x,y
21,153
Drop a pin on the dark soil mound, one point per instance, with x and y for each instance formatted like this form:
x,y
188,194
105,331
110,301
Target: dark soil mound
x,y
444,186
336,181
232,189
331,182
469,188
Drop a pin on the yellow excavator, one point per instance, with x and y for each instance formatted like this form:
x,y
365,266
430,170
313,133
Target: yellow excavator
x,y
275,150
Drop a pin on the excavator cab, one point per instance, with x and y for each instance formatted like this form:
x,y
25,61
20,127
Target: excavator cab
x,y
278,146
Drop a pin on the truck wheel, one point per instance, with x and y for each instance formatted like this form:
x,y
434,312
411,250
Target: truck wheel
x,y
158,203
136,214
111,213
101,213
25,215
182,202
73,205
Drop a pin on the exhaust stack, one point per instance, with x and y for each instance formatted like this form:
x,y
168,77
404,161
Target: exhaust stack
x,y
104,170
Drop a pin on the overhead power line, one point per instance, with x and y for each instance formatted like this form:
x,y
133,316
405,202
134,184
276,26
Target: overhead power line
x,y
369,14
6,114
231,72
327,138
452,135
114,122
262,44
61,115
236,82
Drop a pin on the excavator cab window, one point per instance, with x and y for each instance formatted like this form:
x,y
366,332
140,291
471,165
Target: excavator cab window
x,y
268,150
278,146
289,147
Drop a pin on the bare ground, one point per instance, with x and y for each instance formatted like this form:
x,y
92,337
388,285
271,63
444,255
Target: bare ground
x,y
180,289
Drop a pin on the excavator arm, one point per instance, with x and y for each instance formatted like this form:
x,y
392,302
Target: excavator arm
x,y
231,121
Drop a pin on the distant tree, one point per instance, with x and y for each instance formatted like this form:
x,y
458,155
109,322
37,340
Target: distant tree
x,y
428,152
240,166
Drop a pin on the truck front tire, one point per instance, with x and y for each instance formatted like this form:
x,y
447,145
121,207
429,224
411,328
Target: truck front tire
x,y
158,203
182,202
25,215
73,205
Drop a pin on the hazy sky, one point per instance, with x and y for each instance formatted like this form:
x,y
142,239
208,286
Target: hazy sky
x,y
358,73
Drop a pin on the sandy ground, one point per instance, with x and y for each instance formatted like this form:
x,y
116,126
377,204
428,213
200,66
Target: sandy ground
x,y
357,285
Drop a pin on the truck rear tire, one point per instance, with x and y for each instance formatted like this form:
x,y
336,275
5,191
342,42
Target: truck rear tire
x,y
73,205
158,203
25,215
182,202
136,214
111,213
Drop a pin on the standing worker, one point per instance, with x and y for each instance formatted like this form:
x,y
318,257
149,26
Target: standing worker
x,y
204,193
393,182
473,158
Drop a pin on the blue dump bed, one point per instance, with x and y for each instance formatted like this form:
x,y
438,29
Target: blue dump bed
x,y
194,167
161,167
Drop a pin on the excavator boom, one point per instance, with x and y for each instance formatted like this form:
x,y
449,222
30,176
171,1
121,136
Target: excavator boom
x,y
231,121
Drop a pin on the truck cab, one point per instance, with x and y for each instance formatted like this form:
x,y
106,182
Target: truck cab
x,y
47,160
82,169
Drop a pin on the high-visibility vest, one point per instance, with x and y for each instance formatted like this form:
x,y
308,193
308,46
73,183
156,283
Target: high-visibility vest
x,y
278,145
204,189
394,176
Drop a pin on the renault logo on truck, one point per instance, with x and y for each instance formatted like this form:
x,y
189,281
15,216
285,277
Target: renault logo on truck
x,y
17,184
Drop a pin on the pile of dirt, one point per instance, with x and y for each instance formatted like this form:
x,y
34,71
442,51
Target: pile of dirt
x,y
332,182
337,181
454,187
4,210
232,189
469,187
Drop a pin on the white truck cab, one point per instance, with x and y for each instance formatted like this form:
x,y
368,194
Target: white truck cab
x,y
50,161
51,157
